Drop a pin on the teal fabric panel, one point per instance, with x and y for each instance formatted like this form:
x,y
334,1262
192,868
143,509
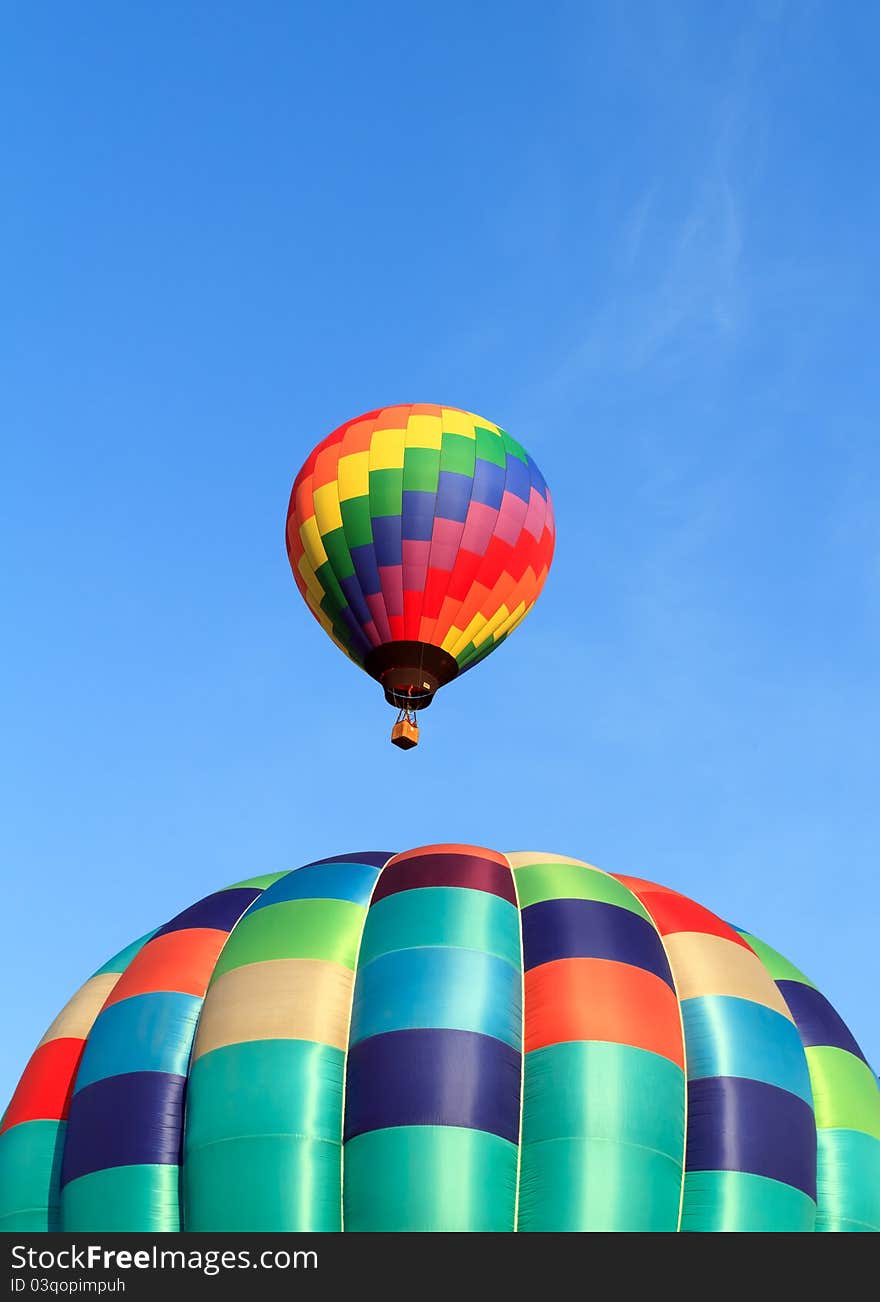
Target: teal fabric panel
x,y
122,1199
263,1183
30,1174
426,1178
588,1184
322,881
738,1200
848,1181
443,915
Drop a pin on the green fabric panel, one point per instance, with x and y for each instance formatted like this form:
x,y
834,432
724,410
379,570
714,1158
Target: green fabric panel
x,y
569,881
421,470
589,1184
265,1087
264,1182
490,447
779,968
357,521
336,547
597,1090
420,1178
845,1093
122,1199
386,492
736,1200
30,1172
120,961
848,1181
458,454
325,929
262,882
442,915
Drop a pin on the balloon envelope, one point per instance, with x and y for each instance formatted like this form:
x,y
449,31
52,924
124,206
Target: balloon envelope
x,y
447,1039
420,537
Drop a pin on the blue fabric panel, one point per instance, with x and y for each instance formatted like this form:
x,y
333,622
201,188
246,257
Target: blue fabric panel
x,y
364,561
554,929
387,540
149,1032
220,911
429,986
453,496
433,1078
327,881
375,858
727,1036
745,1125
817,1021
418,515
518,480
124,1121
488,483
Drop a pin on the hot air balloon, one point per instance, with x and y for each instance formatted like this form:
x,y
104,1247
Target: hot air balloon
x,y
420,537
445,1039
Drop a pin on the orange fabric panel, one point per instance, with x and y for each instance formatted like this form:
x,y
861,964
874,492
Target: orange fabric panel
x,y
600,999
673,912
180,960
43,1093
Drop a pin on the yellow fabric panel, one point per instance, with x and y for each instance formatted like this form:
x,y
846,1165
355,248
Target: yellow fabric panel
x,y
353,473
512,621
78,1015
456,640
459,422
522,859
327,512
423,431
280,999
711,965
386,449
311,541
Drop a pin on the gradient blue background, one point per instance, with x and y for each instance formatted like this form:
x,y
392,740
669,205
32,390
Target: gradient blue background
x,y
643,237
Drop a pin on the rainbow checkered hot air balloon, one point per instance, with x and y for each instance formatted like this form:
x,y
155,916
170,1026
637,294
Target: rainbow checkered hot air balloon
x,y
420,537
445,1039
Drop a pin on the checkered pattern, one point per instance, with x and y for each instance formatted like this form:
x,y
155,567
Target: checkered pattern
x,y
420,523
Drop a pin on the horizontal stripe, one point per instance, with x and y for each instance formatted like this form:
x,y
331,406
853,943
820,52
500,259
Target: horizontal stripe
x,y
779,968
442,915
263,1183
151,1032
582,1184
281,999
220,911
374,858
78,1015
845,1092
611,1092
848,1181
673,913
44,1090
460,989
123,1200
30,1171
332,881
729,1201
726,1036
710,965
430,1078
320,929
124,1120
180,960
596,999
120,961
557,929
549,877
817,1021
468,870
265,1087
745,1125
429,1179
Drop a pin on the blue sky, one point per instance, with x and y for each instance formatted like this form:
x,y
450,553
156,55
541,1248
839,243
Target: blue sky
x,y
643,238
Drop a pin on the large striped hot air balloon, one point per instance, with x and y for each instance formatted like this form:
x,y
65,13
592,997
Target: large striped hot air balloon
x,y
420,537
445,1039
